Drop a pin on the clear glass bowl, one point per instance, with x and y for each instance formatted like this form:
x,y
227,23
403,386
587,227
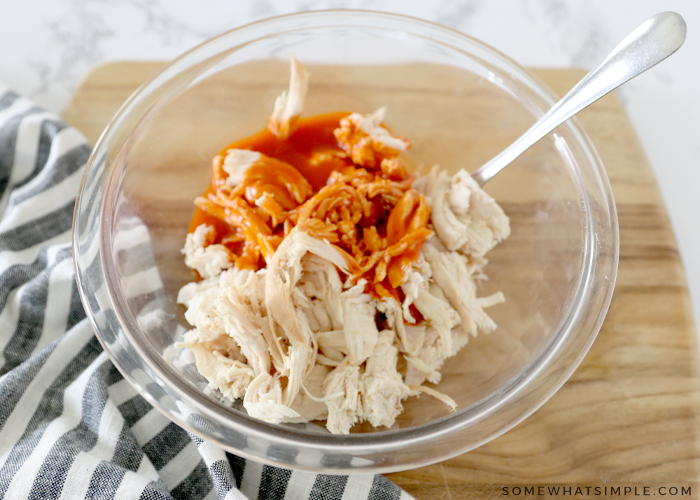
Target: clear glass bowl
x,y
460,102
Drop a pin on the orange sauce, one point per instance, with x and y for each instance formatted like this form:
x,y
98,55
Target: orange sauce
x,y
201,217
313,135
368,213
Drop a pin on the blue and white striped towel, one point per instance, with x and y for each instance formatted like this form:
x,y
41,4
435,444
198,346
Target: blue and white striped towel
x,y
70,425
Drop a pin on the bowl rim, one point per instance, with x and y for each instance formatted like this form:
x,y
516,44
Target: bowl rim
x,y
388,440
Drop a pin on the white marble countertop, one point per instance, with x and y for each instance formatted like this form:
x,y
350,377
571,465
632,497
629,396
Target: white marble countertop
x,y
46,45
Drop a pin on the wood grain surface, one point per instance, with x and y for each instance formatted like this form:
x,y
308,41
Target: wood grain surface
x,y
629,414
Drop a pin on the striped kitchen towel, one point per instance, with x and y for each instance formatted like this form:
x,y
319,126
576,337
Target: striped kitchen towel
x,y
70,425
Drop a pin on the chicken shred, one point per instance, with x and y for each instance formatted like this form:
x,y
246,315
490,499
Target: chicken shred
x,y
310,299
464,216
207,259
289,105
368,143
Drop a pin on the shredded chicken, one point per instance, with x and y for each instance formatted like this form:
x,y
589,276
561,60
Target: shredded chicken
x,y
207,259
369,144
360,328
436,394
309,404
231,376
465,218
286,305
263,400
289,105
312,299
383,388
237,162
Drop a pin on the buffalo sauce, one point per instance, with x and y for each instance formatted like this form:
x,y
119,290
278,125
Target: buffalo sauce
x,y
368,213
312,137
201,217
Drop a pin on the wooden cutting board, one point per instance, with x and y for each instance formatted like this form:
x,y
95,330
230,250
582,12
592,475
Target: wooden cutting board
x,y
629,414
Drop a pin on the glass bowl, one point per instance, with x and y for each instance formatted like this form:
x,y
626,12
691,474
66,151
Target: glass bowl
x,y
460,102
